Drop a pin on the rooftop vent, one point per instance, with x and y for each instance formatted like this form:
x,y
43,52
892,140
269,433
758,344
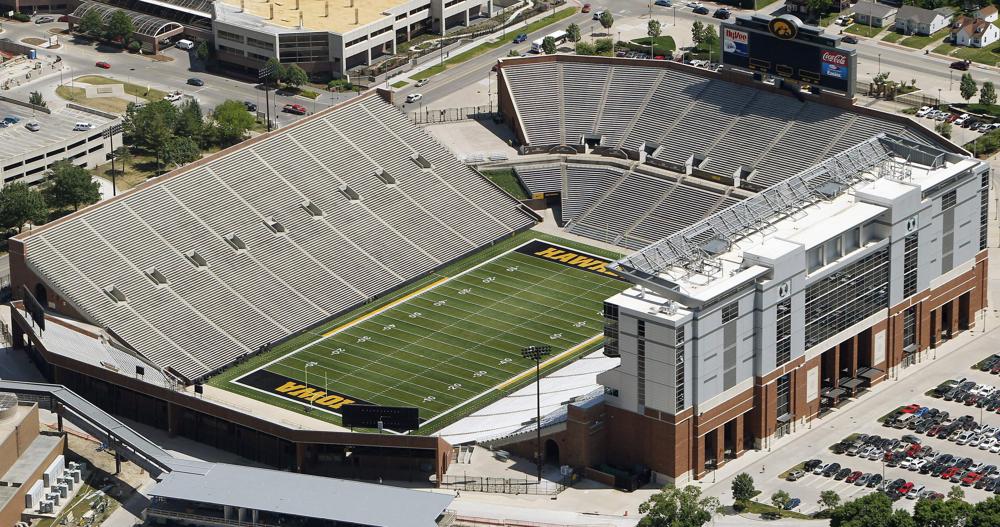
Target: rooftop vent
x,y
273,224
420,161
349,193
385,177
235,242
311,209
196,259
115,294
155,276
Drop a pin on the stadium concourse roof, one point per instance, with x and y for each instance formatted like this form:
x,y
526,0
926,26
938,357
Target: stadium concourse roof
x,y
306,496
205,265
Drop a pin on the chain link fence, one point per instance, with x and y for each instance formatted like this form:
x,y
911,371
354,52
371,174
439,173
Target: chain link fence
x,y
446,115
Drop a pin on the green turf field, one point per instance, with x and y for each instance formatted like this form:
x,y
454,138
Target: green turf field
x,y
451,342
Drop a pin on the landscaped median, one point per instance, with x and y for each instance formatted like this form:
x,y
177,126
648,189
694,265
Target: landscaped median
x,y
494,44
74,93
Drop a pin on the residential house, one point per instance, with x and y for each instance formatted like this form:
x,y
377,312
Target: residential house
x,y
874,14
913,20
988,13
974,32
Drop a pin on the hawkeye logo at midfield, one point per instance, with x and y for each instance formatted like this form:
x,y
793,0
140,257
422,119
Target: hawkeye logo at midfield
x,y
295,390
571,258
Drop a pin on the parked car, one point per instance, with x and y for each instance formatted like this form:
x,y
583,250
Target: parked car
x,y
842,473
44,20
664,3
960,65
103,65
422,82
854,476
700,10
296,109
831,469
812,464
173,96
83,127
795,475
924,110
522,37
722,13
874,480
962,119
792,503
33,126
251,107
184,44
195,81
585,9
848,39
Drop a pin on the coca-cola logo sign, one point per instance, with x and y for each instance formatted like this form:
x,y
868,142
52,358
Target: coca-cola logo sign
x,y
832,57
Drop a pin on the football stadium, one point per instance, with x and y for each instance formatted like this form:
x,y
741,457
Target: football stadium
x,y
712,260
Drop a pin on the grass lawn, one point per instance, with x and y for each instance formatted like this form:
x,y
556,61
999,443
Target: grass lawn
x,y
448,344
892,36
919,41
764,3
489,46
136,90
662,44
944,49
863,31
702,53
983,109
138,169
507,180
399,84
106,104
988,55
756,507
800,466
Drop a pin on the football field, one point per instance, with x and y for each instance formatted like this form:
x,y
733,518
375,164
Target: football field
x,y
453,341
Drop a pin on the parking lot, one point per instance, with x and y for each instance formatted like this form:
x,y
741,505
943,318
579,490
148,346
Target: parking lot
x,y
958,120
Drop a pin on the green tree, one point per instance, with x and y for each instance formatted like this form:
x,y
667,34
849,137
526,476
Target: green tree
x,y
122,155
202,51
872,510
120,27
181,150
36,99
295,76
20,204
780,499
513,53
967,87
154,126
743,489
938,513
828,499
190,121
710,39
944,129
697,32
277,70
986,513
231,121
604,46
988,94
549,45
673,507
818,7
607,20
956,493
90,23
653,29
585,48
573,33
69,185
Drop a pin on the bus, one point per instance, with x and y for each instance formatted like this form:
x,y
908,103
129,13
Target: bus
x,y
558,36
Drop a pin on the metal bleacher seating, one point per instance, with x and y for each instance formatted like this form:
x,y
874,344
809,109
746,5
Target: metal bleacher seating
x,y
206,265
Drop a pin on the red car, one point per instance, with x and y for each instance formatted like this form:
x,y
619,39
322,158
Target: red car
x,y
586,8
913,450
853,477
971,478
995,369
949,472
63,18
909,409
103,65
297,109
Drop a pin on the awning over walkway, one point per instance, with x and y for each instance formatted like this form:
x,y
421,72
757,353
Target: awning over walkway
x,y
870,373
851,383
833,393
148,26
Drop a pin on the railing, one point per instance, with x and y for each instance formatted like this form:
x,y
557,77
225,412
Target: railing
x,y
502,485
445,115
470,521
200,518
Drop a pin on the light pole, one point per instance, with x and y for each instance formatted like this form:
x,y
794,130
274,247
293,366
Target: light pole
x,y
308,365
536,353
879,63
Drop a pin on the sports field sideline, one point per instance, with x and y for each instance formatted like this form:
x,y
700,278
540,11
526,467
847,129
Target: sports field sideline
x,y
450,342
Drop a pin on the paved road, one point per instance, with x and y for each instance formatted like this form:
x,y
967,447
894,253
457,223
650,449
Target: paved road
x,y
80,57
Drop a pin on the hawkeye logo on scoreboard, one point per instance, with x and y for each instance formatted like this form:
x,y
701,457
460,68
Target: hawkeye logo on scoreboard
x,y
736,42
295,390
835,64
569,257
785,27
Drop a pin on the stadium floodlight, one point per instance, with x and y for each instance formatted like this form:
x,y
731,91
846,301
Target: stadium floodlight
x,y
536,353
308,365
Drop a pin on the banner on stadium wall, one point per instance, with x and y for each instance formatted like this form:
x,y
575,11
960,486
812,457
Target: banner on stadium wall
x,y
735,41
298,391
835,64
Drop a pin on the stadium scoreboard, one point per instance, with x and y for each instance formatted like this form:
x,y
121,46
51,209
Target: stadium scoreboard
x,y
784,47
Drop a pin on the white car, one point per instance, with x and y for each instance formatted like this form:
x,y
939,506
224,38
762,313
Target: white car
x,y
924,110
174,96
932,114
693,5
82,127
987,443
906,463
958,122
941,116
986,390
414,97
963,438
917,464
995,448
422,82
976,439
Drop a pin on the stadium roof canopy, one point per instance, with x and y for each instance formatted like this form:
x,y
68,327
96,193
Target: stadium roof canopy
x,y
203,266
145,25
306,496
193,7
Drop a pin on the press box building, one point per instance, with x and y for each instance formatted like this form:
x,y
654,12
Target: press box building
x,y
749,324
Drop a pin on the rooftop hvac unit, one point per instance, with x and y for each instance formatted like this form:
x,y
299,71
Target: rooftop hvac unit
x,y
45,507
53,497
75,475
66,481
62,489
73,465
